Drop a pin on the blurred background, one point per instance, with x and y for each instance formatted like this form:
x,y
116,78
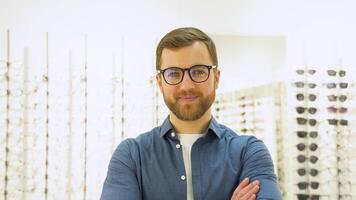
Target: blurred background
x,y
77,77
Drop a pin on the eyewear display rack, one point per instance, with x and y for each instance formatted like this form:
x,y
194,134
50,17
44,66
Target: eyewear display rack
x,y
322,137
48,135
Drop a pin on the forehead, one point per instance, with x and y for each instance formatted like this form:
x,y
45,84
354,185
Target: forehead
x,y
196,53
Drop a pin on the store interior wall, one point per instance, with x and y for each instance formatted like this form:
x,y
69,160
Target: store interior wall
x,y
142,23
258,42
249,61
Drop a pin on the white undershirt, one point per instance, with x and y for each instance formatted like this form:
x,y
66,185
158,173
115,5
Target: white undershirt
x,y
187,141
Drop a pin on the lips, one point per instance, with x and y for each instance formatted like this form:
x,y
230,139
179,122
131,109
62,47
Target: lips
x,y
187,98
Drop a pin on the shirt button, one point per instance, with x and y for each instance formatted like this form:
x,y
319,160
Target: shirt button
x,y
177,146
172,134
182,177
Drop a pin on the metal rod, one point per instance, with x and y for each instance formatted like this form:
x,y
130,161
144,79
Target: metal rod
x,y
113,103
85,116
7,130
70,126
122,91
46,79
25,119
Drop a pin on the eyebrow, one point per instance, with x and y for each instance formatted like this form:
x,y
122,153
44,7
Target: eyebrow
x,y
180,66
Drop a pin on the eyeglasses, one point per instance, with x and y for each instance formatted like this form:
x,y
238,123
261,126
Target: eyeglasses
x,y
303,134
335,122
301,84
197,73
300,97
302,146
302,172
303,121
333,85
301,110
304,185
303,158
333,109
308,197
333,97
342,73
302,71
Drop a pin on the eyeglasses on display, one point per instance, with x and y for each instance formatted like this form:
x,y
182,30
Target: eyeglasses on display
x,y
302,172
302,158
303,134
341,122
311,110
308,197
333,109
302,147
341,98
304,71
334,85
304,185
301,84
341,73
300,97
303,121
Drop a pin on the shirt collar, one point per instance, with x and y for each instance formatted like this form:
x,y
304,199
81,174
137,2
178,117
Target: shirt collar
x,y
214,125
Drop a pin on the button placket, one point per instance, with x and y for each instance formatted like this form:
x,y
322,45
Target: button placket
x,y
178,146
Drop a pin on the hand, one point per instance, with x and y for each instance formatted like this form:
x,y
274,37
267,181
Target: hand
x,y
246,190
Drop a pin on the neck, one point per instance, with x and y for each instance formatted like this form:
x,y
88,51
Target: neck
x,y
196,126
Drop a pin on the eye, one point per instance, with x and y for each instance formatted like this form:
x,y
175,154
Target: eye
x,y
171,73
198,72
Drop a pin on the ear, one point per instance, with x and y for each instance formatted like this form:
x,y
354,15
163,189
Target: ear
x,y
217,78
159,82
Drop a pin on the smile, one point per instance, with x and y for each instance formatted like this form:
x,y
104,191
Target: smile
x,y
187,99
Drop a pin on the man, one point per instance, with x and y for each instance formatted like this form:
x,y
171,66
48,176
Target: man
x,y
190,156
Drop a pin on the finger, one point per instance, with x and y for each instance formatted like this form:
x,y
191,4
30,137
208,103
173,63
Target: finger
x,y
253,197
246,192
243,184
249,190
252,192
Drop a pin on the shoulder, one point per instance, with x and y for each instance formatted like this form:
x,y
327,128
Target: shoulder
x,y
237,139
243,144
142,141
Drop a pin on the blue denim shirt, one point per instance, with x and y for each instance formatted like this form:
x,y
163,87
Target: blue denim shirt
x,y
151,166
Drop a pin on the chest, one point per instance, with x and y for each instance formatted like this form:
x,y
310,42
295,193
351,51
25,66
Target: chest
x,y
215,173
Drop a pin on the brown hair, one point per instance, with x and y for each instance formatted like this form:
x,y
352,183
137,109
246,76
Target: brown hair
x,y
183,37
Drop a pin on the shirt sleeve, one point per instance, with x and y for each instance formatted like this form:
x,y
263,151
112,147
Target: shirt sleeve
x,y
121,181
258,165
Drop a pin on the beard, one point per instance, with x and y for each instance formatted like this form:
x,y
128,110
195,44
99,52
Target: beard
x,y
190,111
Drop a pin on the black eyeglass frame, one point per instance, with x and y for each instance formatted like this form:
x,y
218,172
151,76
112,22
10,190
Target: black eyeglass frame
x,y
209,67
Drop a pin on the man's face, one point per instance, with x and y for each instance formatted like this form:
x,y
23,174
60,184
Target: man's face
x,y
188,100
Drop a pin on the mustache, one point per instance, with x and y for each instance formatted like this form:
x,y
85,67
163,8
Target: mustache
x,y
188,93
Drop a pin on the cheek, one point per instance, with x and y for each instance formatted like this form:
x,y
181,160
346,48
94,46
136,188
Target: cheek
x,y
168,91
206,89
210,86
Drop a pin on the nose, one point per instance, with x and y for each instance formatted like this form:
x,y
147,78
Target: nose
x,y
187,83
